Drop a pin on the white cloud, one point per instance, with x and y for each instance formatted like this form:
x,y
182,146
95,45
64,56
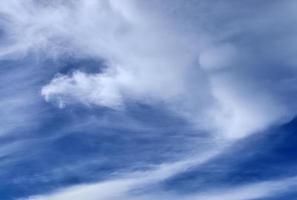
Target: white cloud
x,y
123,189
215,79
251,191
87,89
151,60
241,111
122,186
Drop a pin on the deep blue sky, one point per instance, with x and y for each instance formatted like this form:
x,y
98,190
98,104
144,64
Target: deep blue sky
x,y
142,100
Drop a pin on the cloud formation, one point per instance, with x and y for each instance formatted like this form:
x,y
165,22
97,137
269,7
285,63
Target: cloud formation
x,y
205,76
123,189
226,67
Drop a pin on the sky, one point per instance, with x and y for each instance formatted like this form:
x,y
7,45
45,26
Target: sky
x,y
142,100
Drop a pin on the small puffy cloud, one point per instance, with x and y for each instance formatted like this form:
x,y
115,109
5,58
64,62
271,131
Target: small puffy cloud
x,y
84,88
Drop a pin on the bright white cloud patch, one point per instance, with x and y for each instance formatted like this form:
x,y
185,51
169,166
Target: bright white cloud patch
x,y
85,88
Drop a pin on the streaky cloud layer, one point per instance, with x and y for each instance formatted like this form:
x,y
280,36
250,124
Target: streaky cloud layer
x,y
226,68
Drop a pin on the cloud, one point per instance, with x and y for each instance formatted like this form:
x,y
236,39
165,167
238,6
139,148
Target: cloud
x,y
250,191
151,60
228,68
123,189
209,77
85,88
